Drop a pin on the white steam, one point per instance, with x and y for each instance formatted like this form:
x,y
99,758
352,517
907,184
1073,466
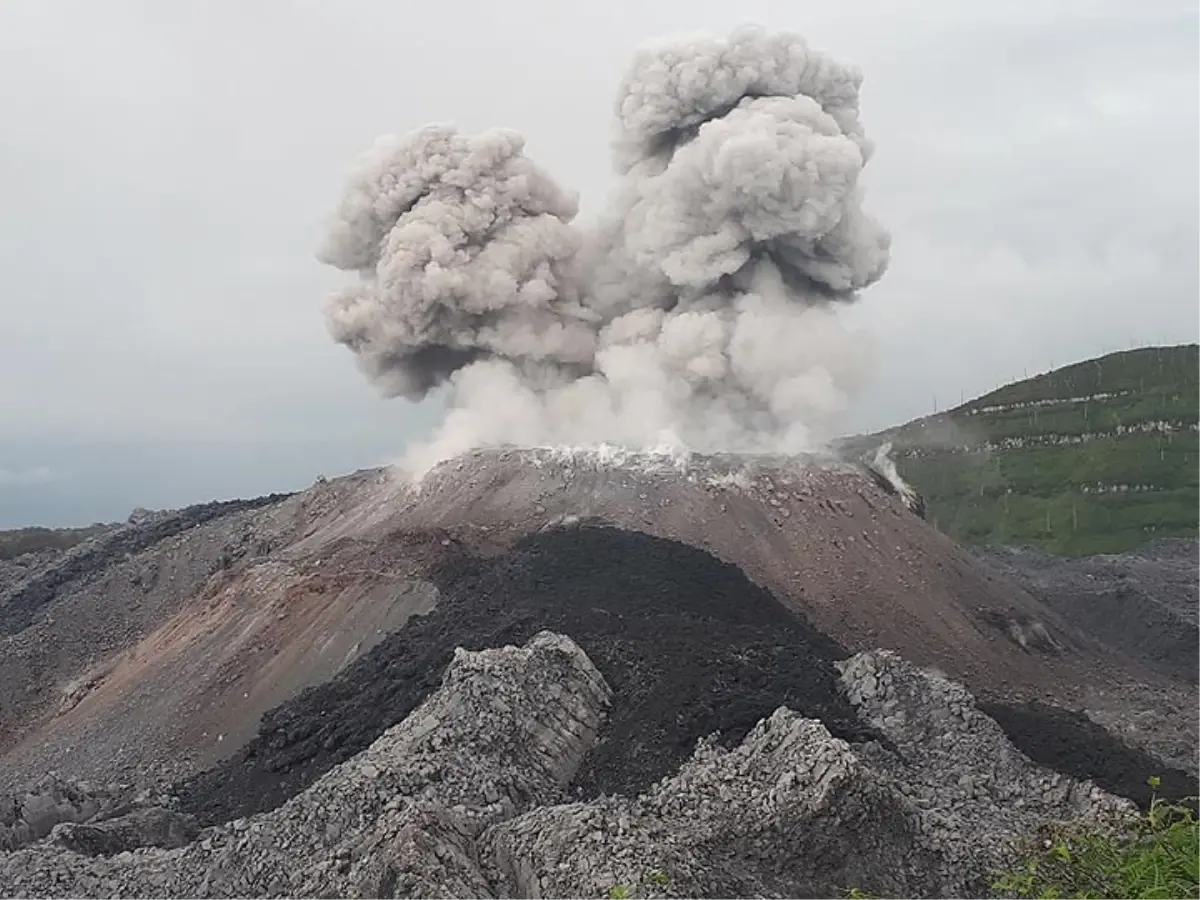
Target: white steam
x,y
882,464
701,314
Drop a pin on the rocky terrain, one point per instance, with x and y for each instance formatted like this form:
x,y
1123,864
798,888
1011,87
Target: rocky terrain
x,y
468,796
213,669
1143,602
178,635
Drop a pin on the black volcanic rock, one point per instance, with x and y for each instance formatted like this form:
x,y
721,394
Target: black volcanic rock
x,y
688,644
1067,741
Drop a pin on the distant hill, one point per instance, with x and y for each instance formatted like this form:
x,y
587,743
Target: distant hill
x,y
18,541
1096,457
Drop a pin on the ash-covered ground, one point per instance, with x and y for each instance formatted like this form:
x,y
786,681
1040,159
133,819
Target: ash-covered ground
x,y
724,588
1143,603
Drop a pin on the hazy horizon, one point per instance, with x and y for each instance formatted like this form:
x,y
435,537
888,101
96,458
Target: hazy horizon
x,y
169,171
130,459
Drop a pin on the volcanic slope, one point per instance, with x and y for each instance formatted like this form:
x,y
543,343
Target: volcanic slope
x,y
687,643
326,575
689,646
156,647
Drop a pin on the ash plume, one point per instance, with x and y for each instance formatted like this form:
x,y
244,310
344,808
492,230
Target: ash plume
x,y
701,313
462,243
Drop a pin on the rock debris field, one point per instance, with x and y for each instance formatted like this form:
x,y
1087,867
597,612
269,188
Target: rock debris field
x,y
549,675
687,643
470,796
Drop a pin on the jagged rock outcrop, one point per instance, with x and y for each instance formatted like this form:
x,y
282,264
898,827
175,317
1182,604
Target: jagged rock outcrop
x,y
793,811
31,814
91,820
149,826
508,729
974,789
466,797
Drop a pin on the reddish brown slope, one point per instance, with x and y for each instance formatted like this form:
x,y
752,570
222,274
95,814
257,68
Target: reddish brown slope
x,y
163,660
828,541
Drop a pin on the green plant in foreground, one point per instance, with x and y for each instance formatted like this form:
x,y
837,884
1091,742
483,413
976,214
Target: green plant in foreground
x,y
1157,856
657,877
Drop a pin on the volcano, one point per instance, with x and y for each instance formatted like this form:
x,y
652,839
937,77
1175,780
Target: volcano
x,y
234,655
210,677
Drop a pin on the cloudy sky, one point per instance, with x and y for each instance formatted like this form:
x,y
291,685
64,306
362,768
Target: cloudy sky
x,y
166,171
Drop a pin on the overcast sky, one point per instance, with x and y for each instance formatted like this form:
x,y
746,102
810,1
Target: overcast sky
x,y
166,169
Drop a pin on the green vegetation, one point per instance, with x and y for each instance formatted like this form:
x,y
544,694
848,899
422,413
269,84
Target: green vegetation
x,y
17,541
1156,857
658,878
1096,457
1153,856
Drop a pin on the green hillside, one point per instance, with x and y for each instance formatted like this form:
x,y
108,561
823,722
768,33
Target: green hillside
x,y
1096,457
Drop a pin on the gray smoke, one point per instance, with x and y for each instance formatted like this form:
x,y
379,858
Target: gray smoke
x,y
462,244
700,314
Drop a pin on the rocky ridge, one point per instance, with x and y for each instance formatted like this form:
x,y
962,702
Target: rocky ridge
x,y
93,820
467,797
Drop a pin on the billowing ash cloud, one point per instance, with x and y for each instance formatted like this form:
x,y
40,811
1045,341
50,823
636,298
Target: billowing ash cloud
x,y
462,243
701,313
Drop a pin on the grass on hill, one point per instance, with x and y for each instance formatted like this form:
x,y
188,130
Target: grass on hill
x,y
1158,855
1096,457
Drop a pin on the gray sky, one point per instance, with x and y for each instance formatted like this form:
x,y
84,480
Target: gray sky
x,y
167,170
